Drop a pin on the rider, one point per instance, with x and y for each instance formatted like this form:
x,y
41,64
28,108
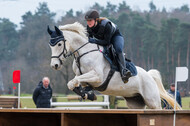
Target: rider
x,y
103,32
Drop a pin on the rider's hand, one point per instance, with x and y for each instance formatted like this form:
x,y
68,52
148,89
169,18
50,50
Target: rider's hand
x,y
91,40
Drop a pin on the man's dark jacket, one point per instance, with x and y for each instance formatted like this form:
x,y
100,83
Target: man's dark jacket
x,y
42,96
178,99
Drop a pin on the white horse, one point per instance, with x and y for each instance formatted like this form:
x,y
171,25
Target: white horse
x,y
145,88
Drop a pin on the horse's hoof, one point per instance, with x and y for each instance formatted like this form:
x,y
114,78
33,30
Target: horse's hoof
x,y
91,96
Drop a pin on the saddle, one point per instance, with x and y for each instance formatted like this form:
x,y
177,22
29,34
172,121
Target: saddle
x,y
110,55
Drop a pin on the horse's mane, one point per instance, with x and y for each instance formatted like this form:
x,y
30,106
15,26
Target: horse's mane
x,y
75,27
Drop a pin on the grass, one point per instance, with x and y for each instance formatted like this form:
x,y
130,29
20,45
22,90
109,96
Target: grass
x,y
186,103
121,103
27,103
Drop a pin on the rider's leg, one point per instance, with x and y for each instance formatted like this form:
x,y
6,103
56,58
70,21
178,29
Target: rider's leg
x,y
122,63
118,44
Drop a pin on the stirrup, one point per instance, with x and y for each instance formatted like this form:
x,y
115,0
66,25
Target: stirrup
x,y
126,77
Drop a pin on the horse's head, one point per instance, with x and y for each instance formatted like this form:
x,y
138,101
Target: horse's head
x,y
58,47
62,48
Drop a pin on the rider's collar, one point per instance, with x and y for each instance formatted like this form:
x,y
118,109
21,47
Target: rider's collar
x,y
95,26
54,41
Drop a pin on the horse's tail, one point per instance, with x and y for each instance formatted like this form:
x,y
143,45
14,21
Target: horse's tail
x,y
163,93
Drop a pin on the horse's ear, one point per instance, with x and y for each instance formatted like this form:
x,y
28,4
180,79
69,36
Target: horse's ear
x,y
49,31
59,32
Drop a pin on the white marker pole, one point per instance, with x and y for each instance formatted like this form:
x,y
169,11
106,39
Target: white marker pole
x,y
18,95
175,103
181,75
16,80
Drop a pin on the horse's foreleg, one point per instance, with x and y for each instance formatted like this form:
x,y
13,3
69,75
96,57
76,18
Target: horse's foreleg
x,y
72,84
90,77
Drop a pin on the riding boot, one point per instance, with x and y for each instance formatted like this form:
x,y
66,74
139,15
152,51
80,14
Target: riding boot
x,y
125,74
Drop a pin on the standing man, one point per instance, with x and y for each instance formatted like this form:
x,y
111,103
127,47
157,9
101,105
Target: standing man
x,y
42,94
172,92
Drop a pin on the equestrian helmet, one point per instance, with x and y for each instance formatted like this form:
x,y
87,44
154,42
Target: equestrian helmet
x,y
91,14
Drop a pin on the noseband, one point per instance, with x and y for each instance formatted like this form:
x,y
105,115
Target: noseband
x,y
64,52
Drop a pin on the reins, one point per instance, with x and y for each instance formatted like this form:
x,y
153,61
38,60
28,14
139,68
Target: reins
x,y
77,59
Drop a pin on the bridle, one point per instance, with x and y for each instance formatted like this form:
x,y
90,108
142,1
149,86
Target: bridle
x,y
64,49
67,54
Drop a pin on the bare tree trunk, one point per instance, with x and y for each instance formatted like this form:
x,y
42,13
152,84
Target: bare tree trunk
x,y
188,46
129,47
172,50
187,62
167,56
138,53
172,58
178,57
148,62
152,62
143,57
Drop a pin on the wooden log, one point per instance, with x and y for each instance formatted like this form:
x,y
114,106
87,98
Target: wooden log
x,y
58,117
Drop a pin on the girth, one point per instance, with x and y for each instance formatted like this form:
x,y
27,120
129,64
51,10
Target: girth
x,y
104,85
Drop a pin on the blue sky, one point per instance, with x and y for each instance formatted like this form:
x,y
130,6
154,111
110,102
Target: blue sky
x,y
14,9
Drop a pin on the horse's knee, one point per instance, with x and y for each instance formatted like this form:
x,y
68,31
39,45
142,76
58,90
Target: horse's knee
x,y
72,84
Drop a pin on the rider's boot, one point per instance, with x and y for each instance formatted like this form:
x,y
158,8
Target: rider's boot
x,y
125,74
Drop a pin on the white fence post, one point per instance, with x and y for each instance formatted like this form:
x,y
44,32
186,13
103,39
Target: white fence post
x,y
80,104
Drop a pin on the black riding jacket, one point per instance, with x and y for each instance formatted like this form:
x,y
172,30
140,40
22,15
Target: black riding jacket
x,y
42,96
103,32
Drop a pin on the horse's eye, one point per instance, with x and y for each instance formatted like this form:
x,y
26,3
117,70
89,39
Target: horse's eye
x,y
59,44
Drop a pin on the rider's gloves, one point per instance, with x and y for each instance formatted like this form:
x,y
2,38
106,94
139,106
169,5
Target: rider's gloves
x,y
91,40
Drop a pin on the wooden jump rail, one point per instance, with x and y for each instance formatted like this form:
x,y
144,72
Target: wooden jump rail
x,y
103,117
8,102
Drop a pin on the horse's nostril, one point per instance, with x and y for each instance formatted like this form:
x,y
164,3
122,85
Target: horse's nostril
x,y
56,65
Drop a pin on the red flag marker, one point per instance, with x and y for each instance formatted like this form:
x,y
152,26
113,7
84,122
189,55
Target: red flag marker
x,y
16,76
